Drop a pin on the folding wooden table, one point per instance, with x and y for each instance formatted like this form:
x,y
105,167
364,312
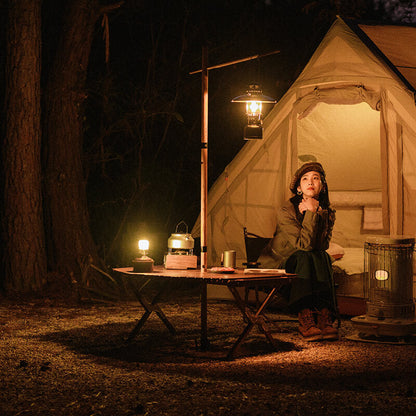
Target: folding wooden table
x,y
271,280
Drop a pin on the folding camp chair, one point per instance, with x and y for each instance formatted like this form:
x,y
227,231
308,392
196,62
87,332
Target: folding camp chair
x,y
255,244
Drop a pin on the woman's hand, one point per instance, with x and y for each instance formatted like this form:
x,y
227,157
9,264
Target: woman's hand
x,y
309,204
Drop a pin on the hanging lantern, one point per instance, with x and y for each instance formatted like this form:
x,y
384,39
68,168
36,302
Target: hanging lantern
x,y
254,100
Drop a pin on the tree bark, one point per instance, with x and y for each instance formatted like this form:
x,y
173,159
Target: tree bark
x,y
68,234
24,258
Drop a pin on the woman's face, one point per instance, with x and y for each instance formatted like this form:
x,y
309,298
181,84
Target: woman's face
x,y
310,184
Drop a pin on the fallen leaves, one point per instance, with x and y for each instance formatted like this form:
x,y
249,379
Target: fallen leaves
x,y
72,360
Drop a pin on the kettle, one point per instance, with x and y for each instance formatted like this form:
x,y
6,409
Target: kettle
x,y
181,241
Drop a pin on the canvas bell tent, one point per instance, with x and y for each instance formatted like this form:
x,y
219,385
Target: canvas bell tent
x,y
353,109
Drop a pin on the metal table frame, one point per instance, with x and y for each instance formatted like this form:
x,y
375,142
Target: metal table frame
x,y
232,281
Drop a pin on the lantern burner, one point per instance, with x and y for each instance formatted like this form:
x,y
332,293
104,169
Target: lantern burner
x,y
143,264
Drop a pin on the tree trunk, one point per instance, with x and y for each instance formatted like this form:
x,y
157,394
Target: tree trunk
x,y
24,255
69,238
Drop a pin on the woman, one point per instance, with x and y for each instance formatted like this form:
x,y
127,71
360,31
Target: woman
x,y
304,229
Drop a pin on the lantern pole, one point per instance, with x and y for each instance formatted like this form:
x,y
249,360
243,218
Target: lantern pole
x,y
204,159
204,142
204,197
204,178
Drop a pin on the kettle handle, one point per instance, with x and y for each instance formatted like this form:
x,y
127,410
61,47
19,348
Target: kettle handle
x,y
180,223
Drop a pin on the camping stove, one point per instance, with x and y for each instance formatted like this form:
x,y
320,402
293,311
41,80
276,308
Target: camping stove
x,y
390,315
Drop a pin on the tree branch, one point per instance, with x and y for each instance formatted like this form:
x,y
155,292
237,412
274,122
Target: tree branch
x,y
111,7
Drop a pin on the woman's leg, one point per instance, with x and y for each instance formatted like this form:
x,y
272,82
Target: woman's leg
x,y
312,291
313,287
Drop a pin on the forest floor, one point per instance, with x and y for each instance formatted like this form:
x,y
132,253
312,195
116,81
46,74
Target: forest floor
x,y
67,358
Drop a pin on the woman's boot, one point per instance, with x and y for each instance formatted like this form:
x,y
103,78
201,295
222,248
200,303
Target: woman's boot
x,y
307,326
325,325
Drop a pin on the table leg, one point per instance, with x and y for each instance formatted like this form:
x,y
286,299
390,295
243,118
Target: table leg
x,y
252,318
149,308
138,326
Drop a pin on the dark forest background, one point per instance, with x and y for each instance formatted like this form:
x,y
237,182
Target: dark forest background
x,y
140,112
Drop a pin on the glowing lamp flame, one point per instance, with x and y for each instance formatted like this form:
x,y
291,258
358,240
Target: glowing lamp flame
x,y
143,245
253,107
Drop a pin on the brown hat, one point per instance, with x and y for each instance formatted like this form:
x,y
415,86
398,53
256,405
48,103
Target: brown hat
x,y
305,168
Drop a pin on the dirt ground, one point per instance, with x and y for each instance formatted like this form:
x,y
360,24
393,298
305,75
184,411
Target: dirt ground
x,y
65,358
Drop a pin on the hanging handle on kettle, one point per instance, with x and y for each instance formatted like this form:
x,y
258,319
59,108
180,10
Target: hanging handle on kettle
x,y
182,223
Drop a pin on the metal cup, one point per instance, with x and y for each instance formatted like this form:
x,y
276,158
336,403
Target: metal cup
x,y
229,258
